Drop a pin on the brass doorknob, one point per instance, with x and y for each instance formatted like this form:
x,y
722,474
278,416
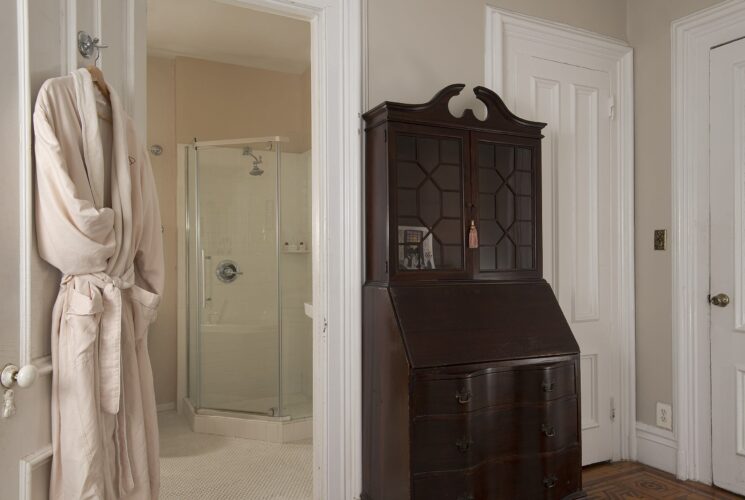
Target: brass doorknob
x,y
720,300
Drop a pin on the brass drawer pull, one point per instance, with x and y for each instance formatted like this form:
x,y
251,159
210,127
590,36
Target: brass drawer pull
x,y
548,430
550,482
548,386
463,396
463,444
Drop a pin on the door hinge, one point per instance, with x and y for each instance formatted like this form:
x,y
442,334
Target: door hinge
x,y
325,325
385,135
386,267
612,410
612,107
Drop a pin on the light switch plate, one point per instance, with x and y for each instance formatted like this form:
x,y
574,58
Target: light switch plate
x,y
664,416
660,239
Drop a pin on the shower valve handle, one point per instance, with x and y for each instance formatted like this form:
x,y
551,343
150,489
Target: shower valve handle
x,y
227,271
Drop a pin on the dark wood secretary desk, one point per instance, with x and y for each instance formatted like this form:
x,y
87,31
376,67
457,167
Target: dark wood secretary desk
x,y
470,371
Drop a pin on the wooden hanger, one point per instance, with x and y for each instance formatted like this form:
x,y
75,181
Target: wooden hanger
x,y
98,79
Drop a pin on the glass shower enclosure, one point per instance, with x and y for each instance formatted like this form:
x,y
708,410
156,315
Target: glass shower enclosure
x,y
249,270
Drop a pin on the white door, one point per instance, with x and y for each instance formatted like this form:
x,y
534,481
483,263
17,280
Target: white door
x,y
574,102
727,205
39,40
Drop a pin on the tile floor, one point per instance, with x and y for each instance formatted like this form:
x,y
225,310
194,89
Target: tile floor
x,y
209,467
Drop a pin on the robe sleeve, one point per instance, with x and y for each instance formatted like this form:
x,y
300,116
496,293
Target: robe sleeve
x,y
149,256
71,233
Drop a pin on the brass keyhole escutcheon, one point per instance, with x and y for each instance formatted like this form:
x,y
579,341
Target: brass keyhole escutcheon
x,y
719,300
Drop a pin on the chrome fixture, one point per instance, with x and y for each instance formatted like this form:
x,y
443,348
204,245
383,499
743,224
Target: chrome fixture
x,y
87,45
156,150
227,271
256,170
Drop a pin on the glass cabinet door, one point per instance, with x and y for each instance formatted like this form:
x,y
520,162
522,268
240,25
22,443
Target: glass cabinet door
x,y
506,202
428,177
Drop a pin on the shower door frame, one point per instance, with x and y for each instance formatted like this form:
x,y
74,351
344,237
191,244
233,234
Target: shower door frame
x,y
336,104
193,230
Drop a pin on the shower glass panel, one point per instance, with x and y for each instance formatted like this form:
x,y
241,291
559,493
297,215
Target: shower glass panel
x,y
295,284
250,342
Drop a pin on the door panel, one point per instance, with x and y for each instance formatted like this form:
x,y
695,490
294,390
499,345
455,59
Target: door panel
x,y
40,42
576,163
727,205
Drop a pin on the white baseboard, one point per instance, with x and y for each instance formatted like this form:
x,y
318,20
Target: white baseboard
x,y
656,447
166,406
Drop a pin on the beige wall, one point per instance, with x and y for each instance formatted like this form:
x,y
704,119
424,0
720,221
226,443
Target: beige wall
x,y
649,34
224,101
448,47
190,98
409,62
162,130
416,47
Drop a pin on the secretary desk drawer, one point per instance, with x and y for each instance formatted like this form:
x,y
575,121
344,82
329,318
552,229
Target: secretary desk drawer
x,y
491,387
445,442
531,477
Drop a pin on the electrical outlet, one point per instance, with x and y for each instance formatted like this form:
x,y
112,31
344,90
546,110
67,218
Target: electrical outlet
x,y
664,416
660,239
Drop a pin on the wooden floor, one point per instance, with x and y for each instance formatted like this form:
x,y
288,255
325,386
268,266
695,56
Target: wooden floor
x,y
629,480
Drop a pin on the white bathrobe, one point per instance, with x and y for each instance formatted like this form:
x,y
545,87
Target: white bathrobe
x,y
97,221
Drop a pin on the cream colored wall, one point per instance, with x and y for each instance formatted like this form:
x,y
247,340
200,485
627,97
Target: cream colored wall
x,y
446,45
649,34
190,98
409,61
224,101
416,47
162,130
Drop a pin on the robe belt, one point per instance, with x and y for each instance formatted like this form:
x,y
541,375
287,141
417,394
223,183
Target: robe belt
x,y
110,331
110,360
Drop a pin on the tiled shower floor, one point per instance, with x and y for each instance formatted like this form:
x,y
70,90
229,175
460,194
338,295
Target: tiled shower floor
x,y
203,466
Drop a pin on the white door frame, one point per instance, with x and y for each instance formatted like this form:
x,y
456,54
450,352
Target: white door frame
x,y
692,39
336,93
504,32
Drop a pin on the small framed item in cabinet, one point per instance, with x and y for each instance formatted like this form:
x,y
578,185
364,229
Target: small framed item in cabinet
x,y
470,371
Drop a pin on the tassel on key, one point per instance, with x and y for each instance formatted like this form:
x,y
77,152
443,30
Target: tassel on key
x,y
473,236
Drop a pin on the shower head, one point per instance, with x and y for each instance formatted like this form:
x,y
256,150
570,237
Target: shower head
x,y
256,170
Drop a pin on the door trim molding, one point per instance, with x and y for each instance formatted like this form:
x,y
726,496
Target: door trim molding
x,y
336,94
615,57
692,39
27,467
26,187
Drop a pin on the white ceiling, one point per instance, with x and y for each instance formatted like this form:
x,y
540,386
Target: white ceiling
x,y
217,31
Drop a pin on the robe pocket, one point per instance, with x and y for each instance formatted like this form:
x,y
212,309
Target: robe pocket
x,y
145,310
83,316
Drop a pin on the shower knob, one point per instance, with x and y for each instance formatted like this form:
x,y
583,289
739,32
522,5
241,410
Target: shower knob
x,y
227,271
